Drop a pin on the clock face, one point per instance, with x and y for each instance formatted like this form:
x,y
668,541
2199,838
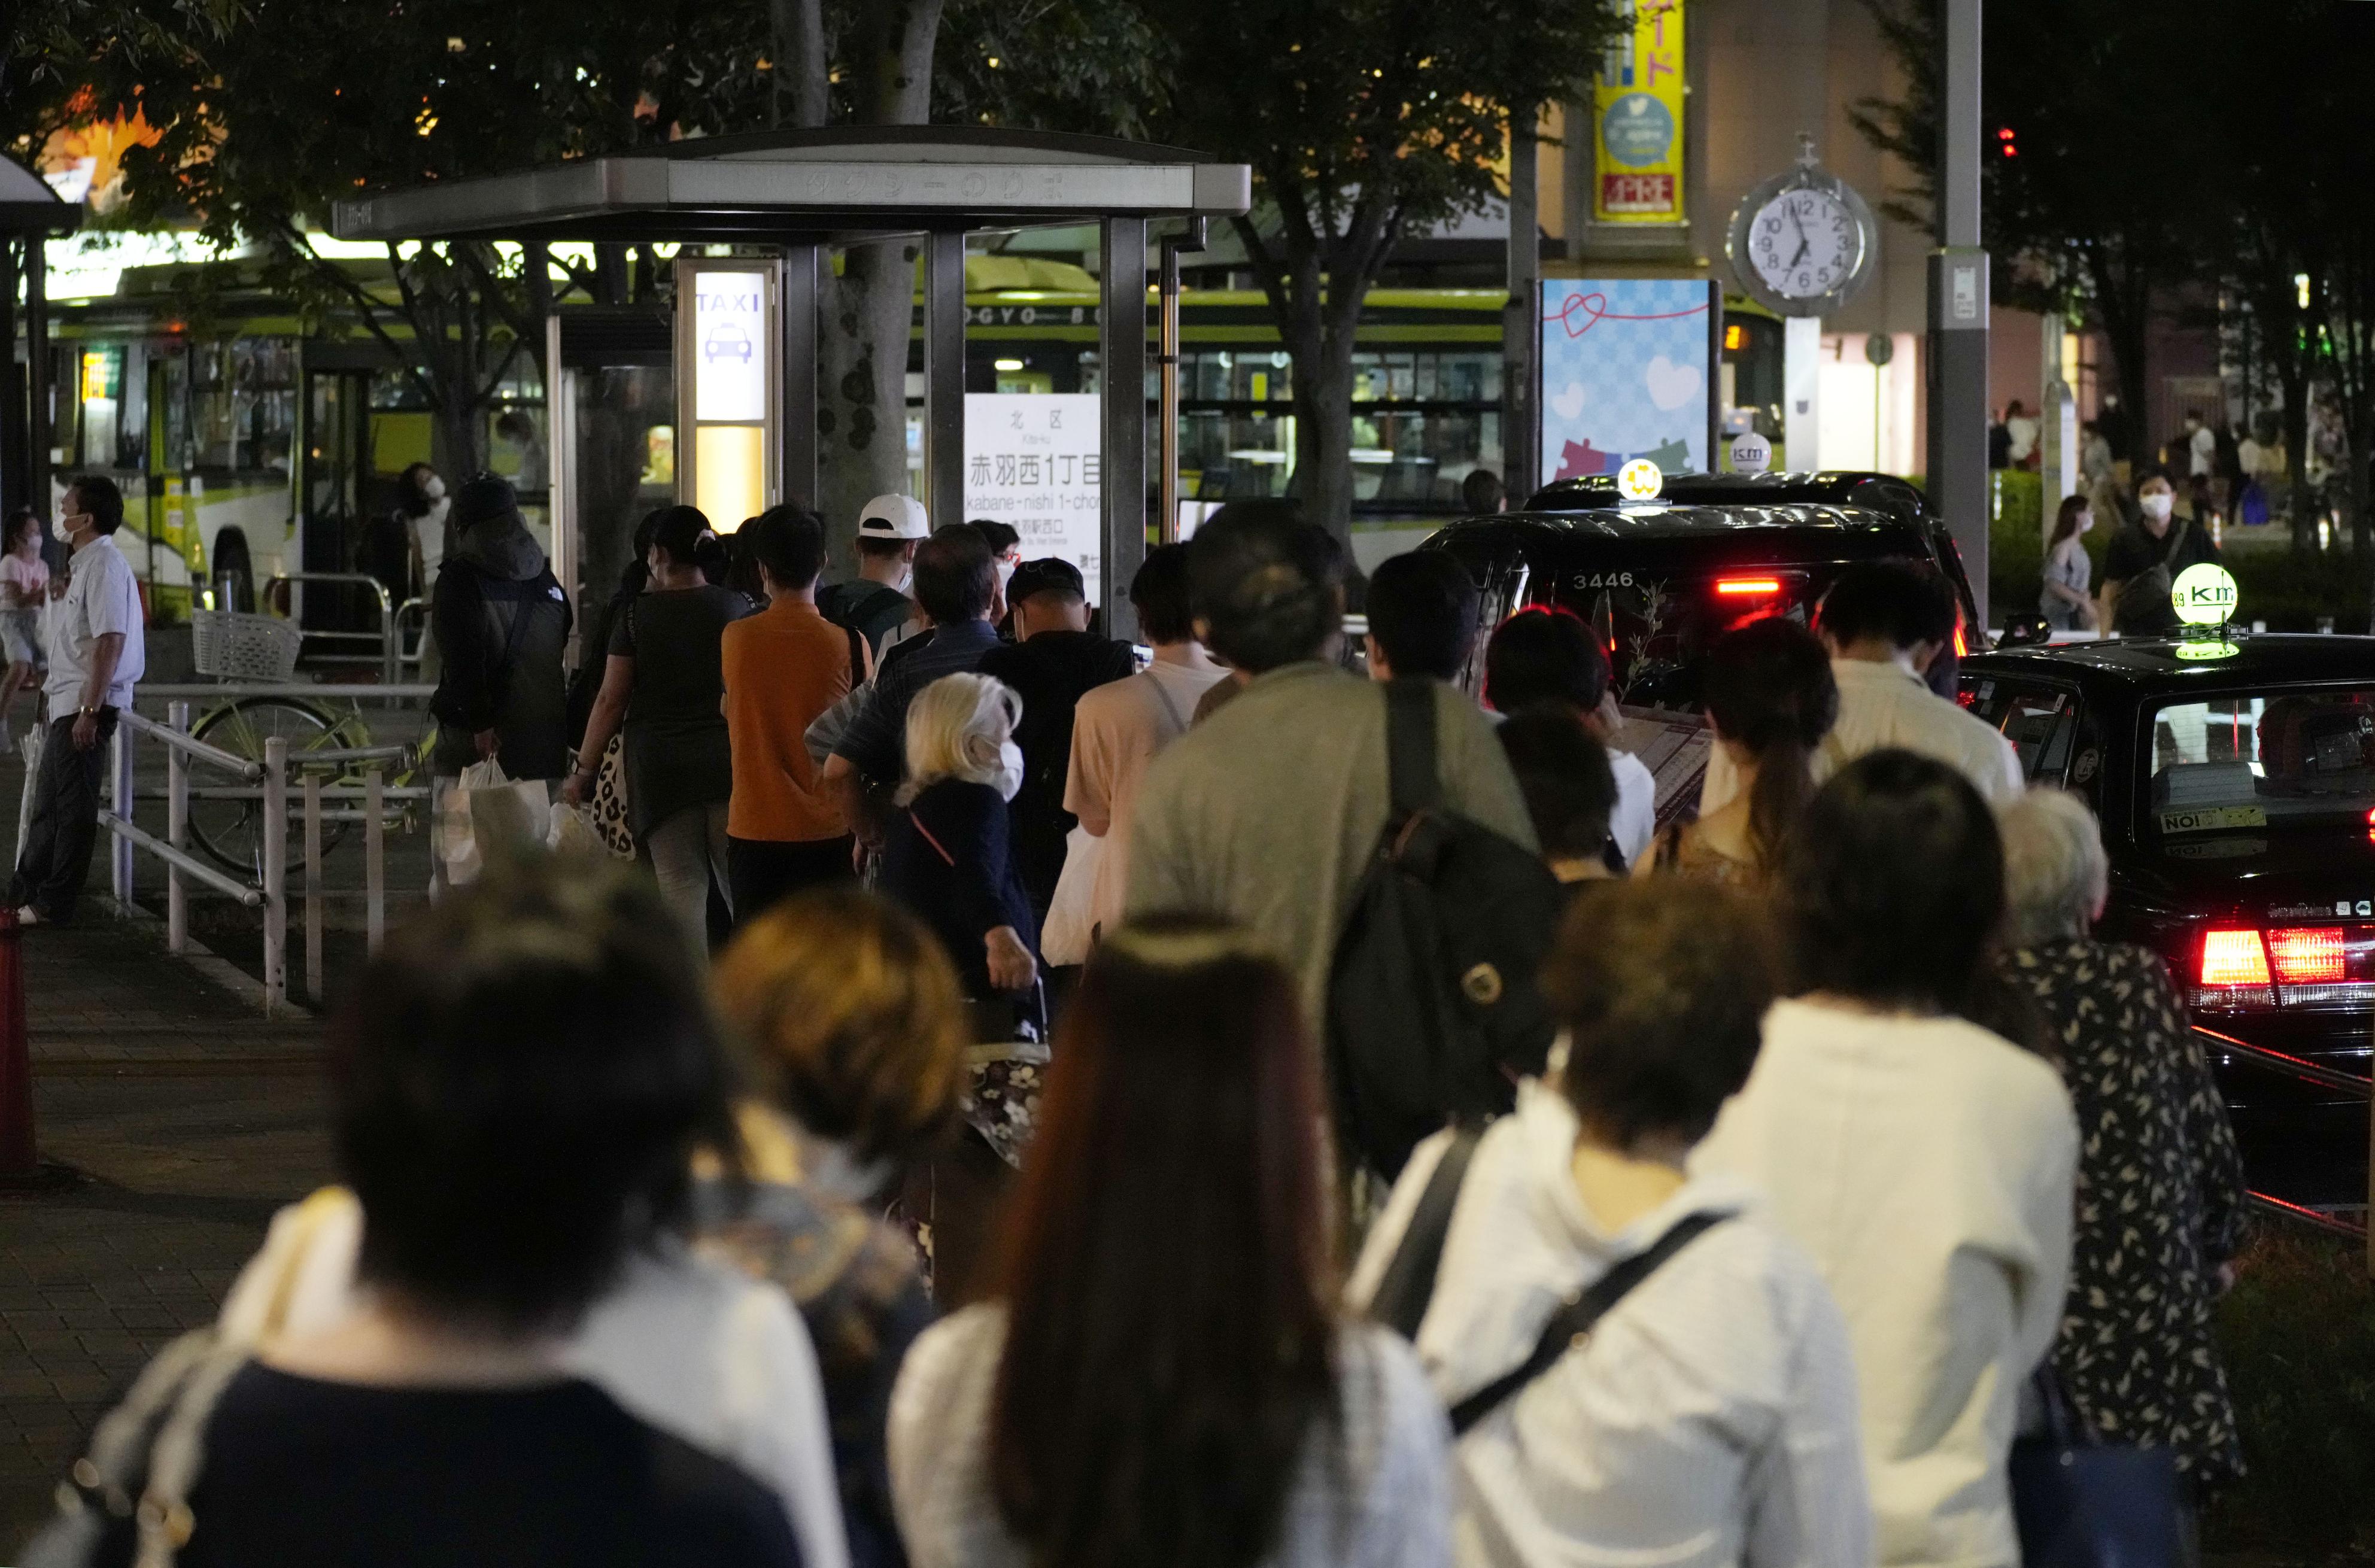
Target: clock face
x,y
1803,243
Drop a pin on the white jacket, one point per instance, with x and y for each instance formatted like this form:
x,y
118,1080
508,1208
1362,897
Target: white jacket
x,y
1927,1165
689,1346
1709,1420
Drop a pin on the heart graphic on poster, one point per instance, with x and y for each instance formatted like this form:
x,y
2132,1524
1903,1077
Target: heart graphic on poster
x,y
1568,405
1671,385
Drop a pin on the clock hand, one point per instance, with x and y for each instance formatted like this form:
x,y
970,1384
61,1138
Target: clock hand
x,y
1805,245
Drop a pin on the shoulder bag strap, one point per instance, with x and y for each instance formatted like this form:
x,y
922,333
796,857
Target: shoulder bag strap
x,y
1576,1319
1170,704
938,848
1409,1283
1410,744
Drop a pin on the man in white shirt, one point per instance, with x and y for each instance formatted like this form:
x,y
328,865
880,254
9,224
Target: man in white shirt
x,y
1550,655
2201,445
97,653
1885,623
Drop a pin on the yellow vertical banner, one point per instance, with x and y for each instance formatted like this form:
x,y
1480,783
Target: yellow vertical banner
x,y
1637,119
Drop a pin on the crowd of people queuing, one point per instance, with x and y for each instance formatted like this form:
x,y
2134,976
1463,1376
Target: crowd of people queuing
x,y
1852,1139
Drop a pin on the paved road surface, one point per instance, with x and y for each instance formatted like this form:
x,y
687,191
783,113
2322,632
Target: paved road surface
x,y
191,1119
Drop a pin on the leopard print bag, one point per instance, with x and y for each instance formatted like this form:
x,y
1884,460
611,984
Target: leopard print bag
x,y
610,801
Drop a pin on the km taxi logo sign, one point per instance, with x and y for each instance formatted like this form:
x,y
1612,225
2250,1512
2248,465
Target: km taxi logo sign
x,y
2203,595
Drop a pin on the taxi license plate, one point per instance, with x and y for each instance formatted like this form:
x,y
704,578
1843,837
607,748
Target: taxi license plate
x,y
2210,818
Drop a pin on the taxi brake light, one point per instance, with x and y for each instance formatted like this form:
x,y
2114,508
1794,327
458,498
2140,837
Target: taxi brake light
x,y
1745,587
2233,957
2309,955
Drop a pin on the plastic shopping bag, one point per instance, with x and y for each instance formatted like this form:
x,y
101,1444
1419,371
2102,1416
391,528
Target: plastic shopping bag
x,y
486,814
1067,934
574,832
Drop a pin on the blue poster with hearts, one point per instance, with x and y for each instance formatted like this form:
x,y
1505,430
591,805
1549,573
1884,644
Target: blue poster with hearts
x,y
1626,372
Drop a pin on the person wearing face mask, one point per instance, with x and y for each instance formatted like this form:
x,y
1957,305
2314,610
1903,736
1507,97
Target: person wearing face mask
x,y
948,853
98,650
1005,542
2144,560
955,588
2069,570
874,604
1054,660
421,507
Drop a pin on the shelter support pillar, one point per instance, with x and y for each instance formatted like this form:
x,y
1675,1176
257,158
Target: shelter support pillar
x,y
944,372
796,431
37,375
1122,357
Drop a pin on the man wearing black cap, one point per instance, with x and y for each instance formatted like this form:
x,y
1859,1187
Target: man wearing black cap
x,y
1053,659
502,624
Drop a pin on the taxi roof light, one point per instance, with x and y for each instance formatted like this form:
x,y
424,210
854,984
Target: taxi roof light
x,y
2233,957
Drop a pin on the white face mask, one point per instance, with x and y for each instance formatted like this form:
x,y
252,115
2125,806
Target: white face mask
x,y
1005,571
2157,506
59,531
434,489
1010,769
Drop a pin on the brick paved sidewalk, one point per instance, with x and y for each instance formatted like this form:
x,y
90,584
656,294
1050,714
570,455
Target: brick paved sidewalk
x,y
191,1119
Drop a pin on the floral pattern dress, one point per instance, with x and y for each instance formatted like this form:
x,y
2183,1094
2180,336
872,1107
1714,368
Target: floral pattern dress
x,y
2159,1204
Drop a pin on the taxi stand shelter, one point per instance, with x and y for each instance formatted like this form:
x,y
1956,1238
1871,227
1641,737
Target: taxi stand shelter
x,y
803,190
29,213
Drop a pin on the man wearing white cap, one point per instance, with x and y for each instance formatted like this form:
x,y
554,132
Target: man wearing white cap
x,y
875,604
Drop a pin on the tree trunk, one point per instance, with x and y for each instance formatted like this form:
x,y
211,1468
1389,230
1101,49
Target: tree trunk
x,y
2126,322
1323,433
802,71
2294,422
862,396
869,309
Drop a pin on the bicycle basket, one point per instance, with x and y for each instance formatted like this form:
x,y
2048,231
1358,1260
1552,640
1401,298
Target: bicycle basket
x,y
230,645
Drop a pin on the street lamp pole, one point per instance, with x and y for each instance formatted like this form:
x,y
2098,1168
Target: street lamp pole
x,y
1959,306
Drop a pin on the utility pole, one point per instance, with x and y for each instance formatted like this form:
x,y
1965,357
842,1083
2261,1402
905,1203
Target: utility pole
x,y
1958,308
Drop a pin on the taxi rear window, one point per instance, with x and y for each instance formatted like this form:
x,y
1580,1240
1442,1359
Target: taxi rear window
x,y
2261,762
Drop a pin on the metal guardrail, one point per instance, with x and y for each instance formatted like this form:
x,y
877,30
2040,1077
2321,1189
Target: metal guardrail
x,y
2313,1219
389,657
2306,1071
268,781
269,892
361,691
2291,1066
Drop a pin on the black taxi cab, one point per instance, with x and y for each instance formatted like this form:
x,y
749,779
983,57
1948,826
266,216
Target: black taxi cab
x,y
2234,777
1660,578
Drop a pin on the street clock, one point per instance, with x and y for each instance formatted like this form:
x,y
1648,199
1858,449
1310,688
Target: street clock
x,y
1803,243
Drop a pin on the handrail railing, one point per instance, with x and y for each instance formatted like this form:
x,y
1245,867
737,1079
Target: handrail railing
x,y
268,891
2305,1216
389,652
2291,1066
369,692
2323,1077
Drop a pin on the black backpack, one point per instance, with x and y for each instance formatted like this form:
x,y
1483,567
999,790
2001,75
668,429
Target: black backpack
x,y
1434,1010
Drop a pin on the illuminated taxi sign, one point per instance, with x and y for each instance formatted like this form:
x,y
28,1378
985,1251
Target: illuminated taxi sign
x,y
2202,653
1641,480
2205,595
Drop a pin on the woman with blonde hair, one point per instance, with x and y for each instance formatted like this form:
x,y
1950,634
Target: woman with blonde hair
x,y
949,855
855,1034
